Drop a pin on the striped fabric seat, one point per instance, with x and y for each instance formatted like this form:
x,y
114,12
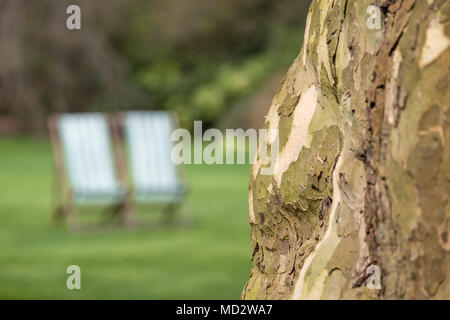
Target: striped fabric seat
x,y
88,157
148,137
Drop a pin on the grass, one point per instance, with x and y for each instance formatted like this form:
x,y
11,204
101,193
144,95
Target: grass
x,y
208,261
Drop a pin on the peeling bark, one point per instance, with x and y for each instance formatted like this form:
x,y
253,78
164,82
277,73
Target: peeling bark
x,y
363,172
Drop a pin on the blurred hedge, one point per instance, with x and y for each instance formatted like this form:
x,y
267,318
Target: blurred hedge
x,y
197,57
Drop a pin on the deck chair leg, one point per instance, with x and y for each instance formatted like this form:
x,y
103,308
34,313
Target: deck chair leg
x,y
127,218
59,214
66,211
70,213
127,212
110,214
169,213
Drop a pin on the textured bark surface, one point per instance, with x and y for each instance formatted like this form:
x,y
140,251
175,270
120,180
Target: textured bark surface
x,y
363,172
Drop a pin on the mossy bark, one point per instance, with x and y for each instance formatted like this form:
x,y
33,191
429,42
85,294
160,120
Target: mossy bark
x,y
363,173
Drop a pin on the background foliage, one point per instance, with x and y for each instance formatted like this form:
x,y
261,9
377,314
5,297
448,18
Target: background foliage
x,y
200,58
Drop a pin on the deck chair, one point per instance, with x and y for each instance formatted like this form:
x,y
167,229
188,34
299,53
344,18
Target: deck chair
x,y
155,178
86,167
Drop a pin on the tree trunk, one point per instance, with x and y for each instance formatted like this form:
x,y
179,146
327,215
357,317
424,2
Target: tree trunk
x,y
362,178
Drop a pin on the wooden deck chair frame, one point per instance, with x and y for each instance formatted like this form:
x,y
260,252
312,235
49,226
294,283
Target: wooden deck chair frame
x,y
65,206
171,208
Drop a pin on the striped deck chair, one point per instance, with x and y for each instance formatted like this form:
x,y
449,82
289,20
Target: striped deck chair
x,y
155,178
85,165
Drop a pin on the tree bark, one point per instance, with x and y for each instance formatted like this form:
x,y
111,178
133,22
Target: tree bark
x,y
363,173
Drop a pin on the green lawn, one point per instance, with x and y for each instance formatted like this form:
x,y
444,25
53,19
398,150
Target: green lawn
x,y
208,261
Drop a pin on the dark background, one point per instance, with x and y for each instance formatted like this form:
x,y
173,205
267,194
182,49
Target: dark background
x,y
218,61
